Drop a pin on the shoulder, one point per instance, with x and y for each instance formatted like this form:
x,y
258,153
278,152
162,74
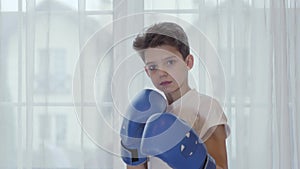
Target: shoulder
x,y
203,98
210,117
208,104
193,96
202,106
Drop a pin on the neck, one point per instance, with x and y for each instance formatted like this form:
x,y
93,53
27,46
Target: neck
x,y
173,96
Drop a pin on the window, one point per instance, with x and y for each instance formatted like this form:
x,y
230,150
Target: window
x,y
52,73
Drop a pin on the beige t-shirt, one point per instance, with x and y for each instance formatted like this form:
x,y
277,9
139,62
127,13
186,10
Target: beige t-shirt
x,y
202,112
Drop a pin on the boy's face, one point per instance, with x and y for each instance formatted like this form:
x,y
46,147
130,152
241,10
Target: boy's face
x,y
167,69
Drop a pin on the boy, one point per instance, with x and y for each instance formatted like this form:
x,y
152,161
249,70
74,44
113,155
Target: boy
x,y
165,51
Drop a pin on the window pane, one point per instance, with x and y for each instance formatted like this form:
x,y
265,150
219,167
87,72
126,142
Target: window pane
x,y
59,141
171,4
8,141
99,21
188,19
99,5
9,56
9,5
56,138
24,5
57,5
56,52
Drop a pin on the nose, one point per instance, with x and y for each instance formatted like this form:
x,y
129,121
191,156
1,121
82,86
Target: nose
x,y
162,73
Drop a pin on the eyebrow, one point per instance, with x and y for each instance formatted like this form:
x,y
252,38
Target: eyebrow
x,y
167,58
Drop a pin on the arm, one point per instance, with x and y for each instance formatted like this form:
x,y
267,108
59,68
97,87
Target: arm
x,y
216,146
142,166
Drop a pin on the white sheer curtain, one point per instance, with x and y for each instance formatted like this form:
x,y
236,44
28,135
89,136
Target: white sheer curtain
x,y
67,71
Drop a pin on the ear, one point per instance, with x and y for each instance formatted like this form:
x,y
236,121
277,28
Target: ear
x,y
146,70
189,60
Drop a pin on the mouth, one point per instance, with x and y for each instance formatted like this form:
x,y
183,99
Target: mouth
x,y
165,83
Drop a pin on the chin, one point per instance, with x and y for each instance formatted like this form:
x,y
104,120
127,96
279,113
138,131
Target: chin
x,y
167,90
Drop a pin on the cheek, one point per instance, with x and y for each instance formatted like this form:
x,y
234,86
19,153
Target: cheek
x,y
154,78
178,76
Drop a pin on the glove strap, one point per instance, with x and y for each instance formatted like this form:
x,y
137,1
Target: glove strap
x,y
131,156
209,163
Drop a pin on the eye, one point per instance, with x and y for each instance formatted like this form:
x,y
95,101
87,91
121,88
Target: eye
x,y
152,67
171,62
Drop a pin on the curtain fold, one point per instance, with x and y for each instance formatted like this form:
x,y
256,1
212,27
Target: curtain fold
x,y
30,22
283,85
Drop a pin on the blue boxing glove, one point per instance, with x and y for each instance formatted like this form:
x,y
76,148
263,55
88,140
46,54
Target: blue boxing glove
x,y
175,142
145,104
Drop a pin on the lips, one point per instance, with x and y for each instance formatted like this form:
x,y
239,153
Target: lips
x,y
165,83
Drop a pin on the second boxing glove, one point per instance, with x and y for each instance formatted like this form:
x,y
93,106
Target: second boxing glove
x,y
175,142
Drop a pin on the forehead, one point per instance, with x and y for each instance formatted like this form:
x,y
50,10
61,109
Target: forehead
x,y
160,53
